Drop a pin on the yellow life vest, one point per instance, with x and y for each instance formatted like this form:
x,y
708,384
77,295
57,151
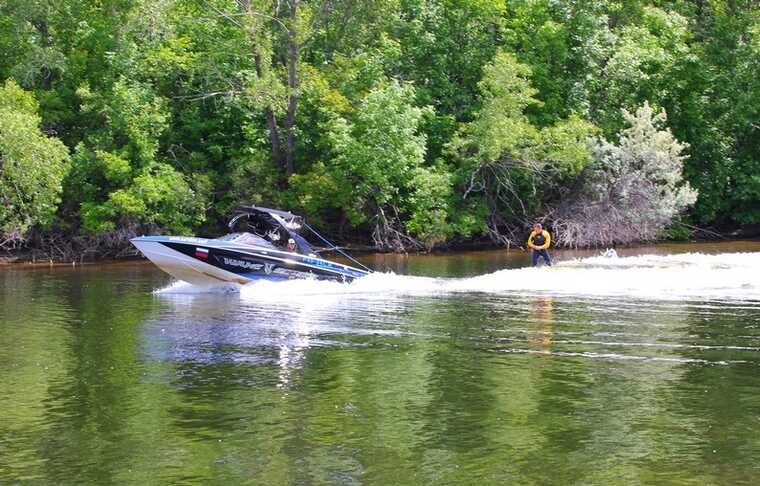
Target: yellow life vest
x,y
539,245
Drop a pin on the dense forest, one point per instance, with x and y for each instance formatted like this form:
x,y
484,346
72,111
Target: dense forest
x,y
405,124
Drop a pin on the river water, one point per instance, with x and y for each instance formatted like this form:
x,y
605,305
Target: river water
x,y
458,369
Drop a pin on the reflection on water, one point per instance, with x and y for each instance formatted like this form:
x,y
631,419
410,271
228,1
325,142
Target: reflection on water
x,y
642,369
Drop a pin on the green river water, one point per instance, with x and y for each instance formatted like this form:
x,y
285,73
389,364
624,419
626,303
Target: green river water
x,y
455,369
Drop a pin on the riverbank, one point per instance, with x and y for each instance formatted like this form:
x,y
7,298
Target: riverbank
x,y
61,249
481,258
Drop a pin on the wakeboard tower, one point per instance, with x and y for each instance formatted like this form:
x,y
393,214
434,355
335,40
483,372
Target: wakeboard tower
x,y
257,253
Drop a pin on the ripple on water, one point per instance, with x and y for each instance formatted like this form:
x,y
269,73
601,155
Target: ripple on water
x,y
602,369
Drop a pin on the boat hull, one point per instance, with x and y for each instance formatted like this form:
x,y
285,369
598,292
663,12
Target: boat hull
x,y
209,262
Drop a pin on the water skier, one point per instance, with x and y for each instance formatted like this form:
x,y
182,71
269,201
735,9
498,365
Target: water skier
x,y
539,241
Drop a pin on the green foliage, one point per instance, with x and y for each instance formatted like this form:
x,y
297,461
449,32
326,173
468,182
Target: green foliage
x,y
506,159
565,146
377,152
415,121
501,128
377,174
117,176
428,206
132,116
15,99
157,197
677,232
721,113
34,59
32,166
643,61
251,177
444,46
539,38
316,190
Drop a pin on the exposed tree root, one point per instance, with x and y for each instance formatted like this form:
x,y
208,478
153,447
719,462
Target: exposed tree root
x,y
387,236
66,247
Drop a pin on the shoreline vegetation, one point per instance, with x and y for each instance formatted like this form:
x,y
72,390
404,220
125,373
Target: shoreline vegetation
x,y
401,126
36,258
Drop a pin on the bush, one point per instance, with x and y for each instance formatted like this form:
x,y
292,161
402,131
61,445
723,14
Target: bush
x,y
632,190
32,166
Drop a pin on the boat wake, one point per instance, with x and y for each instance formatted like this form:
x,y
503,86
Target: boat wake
x,y
726,276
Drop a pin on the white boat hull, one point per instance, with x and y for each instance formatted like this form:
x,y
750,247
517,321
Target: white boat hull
x,y
186,268
211,262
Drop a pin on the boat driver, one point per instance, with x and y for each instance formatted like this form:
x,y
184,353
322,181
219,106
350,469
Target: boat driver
x,y
291,245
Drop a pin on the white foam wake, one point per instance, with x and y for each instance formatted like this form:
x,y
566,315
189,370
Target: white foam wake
x,y
734,276
731,276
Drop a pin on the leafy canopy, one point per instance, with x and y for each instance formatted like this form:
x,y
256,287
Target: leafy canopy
x,y
32,166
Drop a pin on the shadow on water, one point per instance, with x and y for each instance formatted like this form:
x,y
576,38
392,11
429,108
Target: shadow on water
x,y
584,374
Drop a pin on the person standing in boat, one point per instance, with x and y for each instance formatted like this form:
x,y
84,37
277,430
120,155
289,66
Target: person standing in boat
x,y
539,241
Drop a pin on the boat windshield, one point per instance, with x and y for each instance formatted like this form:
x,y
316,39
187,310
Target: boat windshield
x,y
247,239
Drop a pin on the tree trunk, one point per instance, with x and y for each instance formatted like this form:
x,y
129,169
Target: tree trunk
x,y
274,132
42,29
282,156
290,120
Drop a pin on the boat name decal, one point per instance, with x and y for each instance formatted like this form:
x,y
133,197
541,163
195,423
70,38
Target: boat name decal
x,y
318,263
188,239
234,262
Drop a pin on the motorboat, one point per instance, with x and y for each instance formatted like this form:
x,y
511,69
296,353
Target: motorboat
x,y
260,252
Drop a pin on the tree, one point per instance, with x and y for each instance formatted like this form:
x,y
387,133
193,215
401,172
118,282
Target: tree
x,y
118,177
278,34
514,165
718,112
32,166
282,103
643,63
377,169
563,41
443,47
37,59
632,190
